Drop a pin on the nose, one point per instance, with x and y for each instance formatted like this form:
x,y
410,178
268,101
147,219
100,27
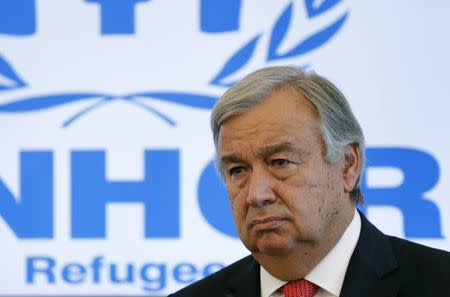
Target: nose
x,y
260,188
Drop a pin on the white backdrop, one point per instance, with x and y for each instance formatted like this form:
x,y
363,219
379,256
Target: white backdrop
x,y
106,184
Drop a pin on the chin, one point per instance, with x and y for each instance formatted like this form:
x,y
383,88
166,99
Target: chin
x,y
272,248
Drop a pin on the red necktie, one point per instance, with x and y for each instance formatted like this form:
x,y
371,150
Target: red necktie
x,y
299,288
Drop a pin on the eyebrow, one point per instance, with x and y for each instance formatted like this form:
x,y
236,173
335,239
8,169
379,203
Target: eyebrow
x,y
266,152
279,148
231,158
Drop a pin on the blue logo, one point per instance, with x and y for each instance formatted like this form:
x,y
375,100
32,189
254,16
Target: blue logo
x,y
30,210
117,17
32,217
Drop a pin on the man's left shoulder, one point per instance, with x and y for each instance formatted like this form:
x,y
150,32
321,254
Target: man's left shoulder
x,y
422,267
411,253
391,264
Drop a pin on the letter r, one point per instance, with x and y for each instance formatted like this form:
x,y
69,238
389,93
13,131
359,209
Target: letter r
x,y
421,174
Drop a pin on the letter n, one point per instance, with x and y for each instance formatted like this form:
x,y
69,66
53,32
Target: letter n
x,y
31,214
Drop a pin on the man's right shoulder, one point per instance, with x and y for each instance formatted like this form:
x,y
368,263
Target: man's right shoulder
x,y
218,283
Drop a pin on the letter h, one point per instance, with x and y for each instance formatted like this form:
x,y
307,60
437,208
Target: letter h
x,y
159,192
17,17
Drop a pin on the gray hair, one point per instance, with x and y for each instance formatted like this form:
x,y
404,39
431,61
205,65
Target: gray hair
x,y
338,125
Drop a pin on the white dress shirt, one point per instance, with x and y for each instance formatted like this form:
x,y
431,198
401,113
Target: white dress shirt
x,y
329,273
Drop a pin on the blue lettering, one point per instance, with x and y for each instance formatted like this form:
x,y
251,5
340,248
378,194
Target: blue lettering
x,y
159,192
17,17
43,265
185,273
421,174
214,203
219,15
117,16
73,273
96,265
128,277
31,215
154,276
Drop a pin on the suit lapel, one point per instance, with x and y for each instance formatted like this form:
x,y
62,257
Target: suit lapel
x,y
246,283
372,270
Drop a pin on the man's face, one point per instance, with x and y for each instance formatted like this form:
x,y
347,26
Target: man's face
x,y
285,197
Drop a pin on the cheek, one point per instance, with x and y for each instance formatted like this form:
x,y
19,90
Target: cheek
x,y
306,187
311,191
233,196
238,205
328,195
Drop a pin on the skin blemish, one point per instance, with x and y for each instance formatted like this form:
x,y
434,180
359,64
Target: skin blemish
x,y
275,165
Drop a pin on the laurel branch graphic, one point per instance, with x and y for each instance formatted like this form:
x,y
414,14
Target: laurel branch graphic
x,y
10,80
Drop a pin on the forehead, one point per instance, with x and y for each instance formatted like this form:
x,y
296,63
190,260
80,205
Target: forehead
x,y
283,117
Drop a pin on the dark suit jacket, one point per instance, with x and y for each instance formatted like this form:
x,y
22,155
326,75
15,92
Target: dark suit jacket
x,y
381,266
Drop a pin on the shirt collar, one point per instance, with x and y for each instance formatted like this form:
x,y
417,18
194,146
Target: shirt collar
x,y
329,273
269,284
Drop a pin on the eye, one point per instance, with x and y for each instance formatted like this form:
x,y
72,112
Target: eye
x,y
236,171
280,162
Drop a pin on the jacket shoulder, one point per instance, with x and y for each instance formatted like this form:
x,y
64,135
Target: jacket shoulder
x,y
422,268
413,254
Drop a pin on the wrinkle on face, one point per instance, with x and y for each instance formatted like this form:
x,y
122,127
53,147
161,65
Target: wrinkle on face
x,y
306,194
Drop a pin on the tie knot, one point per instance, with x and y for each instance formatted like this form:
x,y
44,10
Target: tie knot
x,y
299,288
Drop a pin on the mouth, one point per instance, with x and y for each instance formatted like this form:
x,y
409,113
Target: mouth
x,y
267,223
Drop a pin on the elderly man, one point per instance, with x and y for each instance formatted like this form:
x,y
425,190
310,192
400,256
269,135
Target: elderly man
x,y
291,152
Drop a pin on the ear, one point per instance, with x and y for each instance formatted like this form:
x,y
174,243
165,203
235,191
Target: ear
x,y
351,170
